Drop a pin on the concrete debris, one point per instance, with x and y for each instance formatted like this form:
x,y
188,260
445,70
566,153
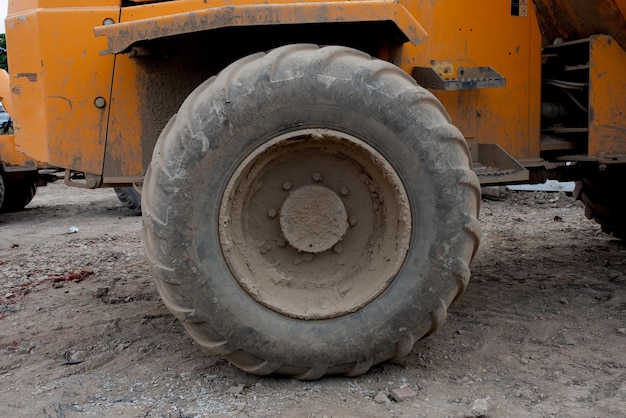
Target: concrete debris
x,y
404,393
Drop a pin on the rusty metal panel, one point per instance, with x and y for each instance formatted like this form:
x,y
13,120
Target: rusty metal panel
x,y
607,97
60,85
147,22
578,19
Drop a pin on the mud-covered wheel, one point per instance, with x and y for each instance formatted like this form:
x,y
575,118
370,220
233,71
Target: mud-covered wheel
x,y
17,193
130,197
604,196
310,211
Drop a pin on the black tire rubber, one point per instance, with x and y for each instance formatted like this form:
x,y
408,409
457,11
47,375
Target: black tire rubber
x,y
131,198
17,194
1,190
255,99
604,196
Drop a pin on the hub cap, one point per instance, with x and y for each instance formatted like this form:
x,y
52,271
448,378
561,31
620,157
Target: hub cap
x,y
314,224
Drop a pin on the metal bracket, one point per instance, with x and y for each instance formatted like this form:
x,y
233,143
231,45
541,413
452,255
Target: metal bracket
x,y
29,165
494,166
468,78
90,181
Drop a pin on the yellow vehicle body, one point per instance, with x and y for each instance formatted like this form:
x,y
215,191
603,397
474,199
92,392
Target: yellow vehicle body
x,y
311,210
85,95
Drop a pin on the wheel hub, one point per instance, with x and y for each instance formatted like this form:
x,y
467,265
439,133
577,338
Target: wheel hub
x,y
313,219
314,224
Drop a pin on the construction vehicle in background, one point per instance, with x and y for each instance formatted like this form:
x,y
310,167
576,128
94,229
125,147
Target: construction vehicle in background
x,y
310,172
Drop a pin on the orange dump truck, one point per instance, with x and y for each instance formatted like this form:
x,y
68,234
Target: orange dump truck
x,y
310,171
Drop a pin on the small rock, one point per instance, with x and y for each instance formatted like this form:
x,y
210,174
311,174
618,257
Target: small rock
x,y
621,331
493,192
236,390
78,356
480,408
23,348
401,394
101,292
382,398
122,346
564,301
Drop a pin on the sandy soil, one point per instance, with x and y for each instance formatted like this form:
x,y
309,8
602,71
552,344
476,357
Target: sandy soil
x,y
539,332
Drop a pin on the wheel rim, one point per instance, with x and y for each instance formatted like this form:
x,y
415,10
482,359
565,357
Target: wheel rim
x,y
314,224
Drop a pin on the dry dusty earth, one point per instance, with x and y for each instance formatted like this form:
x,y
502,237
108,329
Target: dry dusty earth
x,y
539,332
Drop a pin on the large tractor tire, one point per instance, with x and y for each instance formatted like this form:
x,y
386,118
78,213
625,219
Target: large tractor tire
x,y
130,197
17,194
604,196
310,211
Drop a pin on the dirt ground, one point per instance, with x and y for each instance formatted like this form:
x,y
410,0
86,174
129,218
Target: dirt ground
x,y
539,332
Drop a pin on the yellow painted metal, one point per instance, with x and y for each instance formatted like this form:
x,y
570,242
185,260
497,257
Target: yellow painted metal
x,y
607,96
5,91
76,108
59,80
147,22
9,154
125,151
485,34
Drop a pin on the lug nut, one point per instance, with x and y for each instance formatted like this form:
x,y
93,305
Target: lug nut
x,y
287,185
317,177
344,191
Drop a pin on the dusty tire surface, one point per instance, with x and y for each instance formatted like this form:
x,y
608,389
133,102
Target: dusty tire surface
x,y
17,194
130,197
254,101
604,196
1,190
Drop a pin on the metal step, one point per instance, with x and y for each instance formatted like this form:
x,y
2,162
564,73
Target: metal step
x,y
495,166
468,78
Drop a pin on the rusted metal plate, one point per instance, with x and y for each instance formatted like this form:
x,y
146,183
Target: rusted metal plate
x,y
577,19
175,18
